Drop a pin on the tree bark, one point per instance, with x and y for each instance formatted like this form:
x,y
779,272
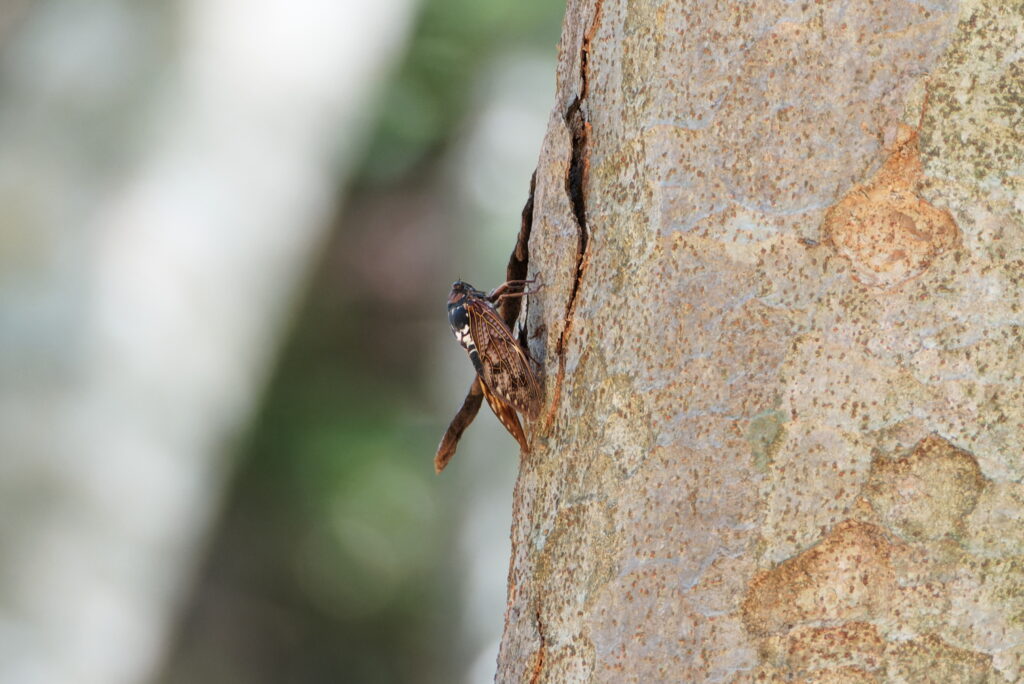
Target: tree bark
x,y
783,254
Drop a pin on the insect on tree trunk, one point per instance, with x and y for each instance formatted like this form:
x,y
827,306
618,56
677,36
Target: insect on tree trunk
x,y
782,436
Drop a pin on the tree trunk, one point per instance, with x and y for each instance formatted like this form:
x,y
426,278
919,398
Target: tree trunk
x,y
783,254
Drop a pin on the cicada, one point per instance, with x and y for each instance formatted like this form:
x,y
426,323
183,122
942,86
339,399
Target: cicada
x,y
504,374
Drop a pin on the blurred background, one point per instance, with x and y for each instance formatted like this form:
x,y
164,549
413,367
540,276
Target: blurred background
x,y
227,233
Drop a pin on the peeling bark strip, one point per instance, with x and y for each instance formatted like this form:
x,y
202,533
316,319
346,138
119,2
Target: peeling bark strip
x,y
519,260
518,265
575,189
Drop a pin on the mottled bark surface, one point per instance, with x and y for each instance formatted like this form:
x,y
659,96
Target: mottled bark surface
x,y
783,249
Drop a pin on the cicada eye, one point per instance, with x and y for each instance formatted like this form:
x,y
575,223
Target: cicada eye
x,y
458,318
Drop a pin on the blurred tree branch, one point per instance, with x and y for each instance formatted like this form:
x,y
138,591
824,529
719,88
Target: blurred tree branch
x,y
164,196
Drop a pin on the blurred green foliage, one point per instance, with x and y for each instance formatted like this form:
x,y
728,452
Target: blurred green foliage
x,y
333,560
426,99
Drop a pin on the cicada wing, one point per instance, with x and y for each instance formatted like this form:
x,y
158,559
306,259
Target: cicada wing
x,y
506,368
506,414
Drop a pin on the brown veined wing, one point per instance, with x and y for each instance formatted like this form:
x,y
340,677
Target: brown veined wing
x,y
507,371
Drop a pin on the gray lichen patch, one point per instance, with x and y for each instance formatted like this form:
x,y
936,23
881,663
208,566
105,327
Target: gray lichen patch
x,y
996,526
570,558
985,610
827,651
859,603
627,437
930,659
835,378
675,650
884,228
815,476
764,434
823,656
987,602
973,130
928,493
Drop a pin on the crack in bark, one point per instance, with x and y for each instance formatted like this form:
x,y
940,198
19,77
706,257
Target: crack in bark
x,y
575,189
576,178
541,652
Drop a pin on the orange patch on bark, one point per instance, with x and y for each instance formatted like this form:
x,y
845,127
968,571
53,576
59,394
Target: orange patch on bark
x,y
847,576
887,232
